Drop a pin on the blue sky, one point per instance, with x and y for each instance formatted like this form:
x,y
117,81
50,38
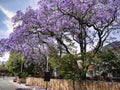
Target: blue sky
x,y
8,8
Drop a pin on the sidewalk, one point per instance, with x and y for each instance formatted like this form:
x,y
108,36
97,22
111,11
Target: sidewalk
x,y
24,87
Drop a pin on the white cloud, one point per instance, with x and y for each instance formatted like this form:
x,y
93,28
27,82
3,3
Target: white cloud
x,y
5,57
6,33
33,3
7,22
8,13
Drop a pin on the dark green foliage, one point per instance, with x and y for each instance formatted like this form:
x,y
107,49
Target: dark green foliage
x,y
106,59
16,65
66,66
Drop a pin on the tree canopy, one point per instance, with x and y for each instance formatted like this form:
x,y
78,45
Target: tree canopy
x,y
63,26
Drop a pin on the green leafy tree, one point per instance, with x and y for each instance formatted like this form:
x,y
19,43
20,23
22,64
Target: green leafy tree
x,y
105,60
33,69
18,66
14,63
3,70
66,66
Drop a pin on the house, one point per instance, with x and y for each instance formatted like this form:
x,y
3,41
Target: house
x,y
91,71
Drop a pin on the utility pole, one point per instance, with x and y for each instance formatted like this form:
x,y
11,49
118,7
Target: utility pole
x,y
21,64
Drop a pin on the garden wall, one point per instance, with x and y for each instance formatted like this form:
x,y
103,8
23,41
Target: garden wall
x,y
60,84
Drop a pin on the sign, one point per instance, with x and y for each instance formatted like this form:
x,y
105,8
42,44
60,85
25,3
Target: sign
x,y
47,76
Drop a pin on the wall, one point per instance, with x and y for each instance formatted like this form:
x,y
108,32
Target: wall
x,y
59,84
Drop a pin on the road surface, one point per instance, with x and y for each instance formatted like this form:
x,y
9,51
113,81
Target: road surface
x,y
7,84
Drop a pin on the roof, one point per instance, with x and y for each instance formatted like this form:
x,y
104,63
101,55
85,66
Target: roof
x,y
91,67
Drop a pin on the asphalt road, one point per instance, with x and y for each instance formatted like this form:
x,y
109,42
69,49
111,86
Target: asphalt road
x,y
6,84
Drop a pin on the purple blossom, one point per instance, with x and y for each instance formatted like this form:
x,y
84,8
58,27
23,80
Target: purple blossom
x,y
57,23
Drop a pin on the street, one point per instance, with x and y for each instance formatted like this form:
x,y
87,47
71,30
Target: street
x,y
7,84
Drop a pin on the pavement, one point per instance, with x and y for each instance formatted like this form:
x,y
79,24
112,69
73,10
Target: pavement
x,y
22,86
7,83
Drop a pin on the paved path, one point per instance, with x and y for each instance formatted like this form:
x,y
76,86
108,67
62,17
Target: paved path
x,y
7,84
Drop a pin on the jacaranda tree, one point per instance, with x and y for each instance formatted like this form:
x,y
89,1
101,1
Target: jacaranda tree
x,y
59,25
